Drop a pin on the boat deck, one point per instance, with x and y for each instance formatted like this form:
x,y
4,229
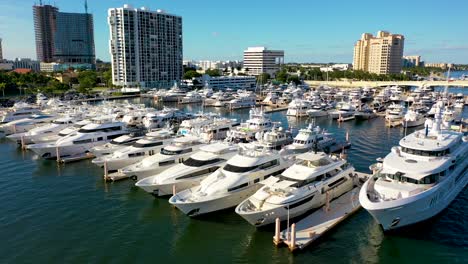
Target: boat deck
x,y
312,227
74,158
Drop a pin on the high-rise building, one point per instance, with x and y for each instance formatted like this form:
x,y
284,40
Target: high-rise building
x,y
44,28
145,47
1,51
260,60
63,37
411,61
74,38
381,54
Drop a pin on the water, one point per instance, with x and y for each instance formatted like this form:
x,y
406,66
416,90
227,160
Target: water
x,y
68,214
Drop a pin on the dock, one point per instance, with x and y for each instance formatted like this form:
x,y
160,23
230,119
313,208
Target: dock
x,y
279,109
114,176
393,123
317,224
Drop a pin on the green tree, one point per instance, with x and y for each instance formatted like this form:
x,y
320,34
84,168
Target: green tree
x,y
87,80
213,72
2,87
263,78
107,77
191,74
282,76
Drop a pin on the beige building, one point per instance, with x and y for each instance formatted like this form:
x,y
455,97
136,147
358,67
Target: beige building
x,y
260,60
442,65
381,54
412,61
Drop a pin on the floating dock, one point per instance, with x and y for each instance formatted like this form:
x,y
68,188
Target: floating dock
x,y
279,109
312,227
393,123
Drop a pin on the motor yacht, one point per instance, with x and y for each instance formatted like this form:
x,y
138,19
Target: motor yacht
x,y
298,107
364,113
115,144
19,110
149,145
258,122
419,178
317,110
394,112
179,150
302,187
230,185
99,132
25,124
191,98
244,99
191,171
342,110
413,118
311,137
52,137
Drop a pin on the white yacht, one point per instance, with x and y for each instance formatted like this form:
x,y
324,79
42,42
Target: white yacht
x,y
299,189
25,124
190,172
317,110
97,133
298,107
191,98
18,111
275,139
52,128
244,99
115,145
162,118
150,145
230,185
413,118
52,137
343,110
364,113
308,137
179,150
419,178
394,112
258,122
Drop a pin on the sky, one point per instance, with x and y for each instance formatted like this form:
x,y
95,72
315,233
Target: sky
x,y
307,30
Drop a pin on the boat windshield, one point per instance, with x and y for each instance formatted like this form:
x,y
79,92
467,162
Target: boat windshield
x,y
175,152
191,162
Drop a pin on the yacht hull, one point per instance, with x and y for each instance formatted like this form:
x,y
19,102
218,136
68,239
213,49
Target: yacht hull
x,y
215,204
167,188
395,214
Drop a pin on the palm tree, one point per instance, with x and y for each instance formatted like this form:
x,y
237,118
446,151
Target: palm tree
x,y
2,87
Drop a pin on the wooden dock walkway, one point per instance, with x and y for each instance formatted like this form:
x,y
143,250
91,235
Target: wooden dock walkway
x,y
312,227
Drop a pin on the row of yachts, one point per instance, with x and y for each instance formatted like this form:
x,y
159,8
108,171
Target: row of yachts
x,y
207,163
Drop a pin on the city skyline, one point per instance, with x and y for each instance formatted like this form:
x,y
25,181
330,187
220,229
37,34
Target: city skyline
x,y
327,35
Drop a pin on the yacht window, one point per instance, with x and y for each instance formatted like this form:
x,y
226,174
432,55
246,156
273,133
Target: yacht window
x,y
170,152
337,182
164,163
236,169
269,164
138,154
76,142
100,138
62,134
425,152
107,129
198,163
114,136
238,187
194,174
147,145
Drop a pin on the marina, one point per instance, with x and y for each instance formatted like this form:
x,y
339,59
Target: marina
x,y
104,205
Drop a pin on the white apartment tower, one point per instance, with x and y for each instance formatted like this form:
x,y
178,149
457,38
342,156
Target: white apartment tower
x,y
145,47
1,52
260,60
381,54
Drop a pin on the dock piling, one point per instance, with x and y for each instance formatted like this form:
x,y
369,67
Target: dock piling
x,y
277,239
292,243
106,172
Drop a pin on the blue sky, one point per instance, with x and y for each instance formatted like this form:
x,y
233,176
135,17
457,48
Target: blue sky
x,y
308,30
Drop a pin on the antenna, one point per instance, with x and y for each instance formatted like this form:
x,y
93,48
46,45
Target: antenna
x,y
86,6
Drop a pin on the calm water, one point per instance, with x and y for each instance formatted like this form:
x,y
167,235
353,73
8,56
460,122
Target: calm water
x,y
68,214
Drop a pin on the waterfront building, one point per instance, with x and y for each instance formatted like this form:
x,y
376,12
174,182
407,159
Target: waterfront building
x,y
411,61
260,60
44,28
442,65
24,63
145,47
336,67
6,66
381,54
233,82
63,37
56,67
1,51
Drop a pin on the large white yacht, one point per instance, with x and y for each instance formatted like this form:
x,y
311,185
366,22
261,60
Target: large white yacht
x,y
245,99
150,145
298,189
115,145
179,150
394,112
97,133
318,110
25,124
413,118
298,107
189,173
162,118
19,110
233,183
343,109
52,137
419,178
52,128
308,137
258,122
